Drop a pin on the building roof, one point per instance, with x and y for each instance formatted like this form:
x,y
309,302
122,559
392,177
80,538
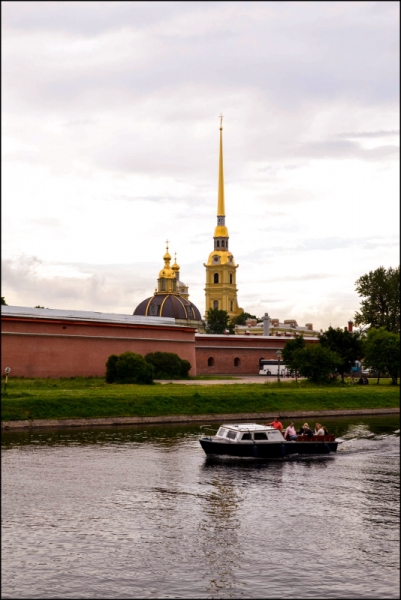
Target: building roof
x,y
168,305
84,315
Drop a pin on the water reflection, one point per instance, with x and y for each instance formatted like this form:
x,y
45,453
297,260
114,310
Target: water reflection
x,y
128,512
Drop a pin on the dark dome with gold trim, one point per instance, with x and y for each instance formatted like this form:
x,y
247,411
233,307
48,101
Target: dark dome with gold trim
x,y
168,305
171,296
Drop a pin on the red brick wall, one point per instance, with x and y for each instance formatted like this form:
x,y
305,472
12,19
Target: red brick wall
x,y
63,348
35,347
225,349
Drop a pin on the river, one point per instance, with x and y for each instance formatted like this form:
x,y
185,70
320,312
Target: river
x,y
140,512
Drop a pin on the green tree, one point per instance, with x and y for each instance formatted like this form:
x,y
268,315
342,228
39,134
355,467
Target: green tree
x,y
315,362
133,368
382,352
168,365
347,344
241,319
290,347
217,321
3,302
381,304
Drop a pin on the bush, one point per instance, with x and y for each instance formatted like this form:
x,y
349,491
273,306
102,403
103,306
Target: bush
x,y
111,368
128,367
168,365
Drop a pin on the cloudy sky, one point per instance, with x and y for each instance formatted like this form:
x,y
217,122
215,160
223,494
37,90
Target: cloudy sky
x,y
110,146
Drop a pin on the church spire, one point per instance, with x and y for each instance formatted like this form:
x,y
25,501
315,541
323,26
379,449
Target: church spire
x,y
221,232
220,202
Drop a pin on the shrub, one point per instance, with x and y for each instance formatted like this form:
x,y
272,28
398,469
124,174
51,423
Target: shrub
x,y
133,368
185,368
168,365
128,367
111,368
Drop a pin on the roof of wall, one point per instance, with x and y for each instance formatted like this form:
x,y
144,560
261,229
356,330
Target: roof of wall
x,y
83,315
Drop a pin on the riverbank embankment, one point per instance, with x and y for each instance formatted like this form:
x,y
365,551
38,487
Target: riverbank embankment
x,y
176,419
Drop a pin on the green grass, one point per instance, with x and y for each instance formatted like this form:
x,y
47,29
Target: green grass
x,y
92,397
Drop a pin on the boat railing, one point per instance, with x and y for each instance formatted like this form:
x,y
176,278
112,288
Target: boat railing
x,y
316,438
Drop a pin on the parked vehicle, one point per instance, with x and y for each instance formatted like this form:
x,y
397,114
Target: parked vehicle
x,y
269,366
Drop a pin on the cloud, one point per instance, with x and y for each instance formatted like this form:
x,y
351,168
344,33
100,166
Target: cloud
x,y
82,287
370,134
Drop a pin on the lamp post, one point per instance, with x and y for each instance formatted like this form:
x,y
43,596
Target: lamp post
x,y
278,369
7,370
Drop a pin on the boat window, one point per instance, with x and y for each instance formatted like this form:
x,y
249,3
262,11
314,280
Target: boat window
x,y
231,435
259,436
222,432
246,436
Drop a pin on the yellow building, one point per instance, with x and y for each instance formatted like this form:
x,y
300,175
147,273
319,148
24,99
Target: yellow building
x,y
221,286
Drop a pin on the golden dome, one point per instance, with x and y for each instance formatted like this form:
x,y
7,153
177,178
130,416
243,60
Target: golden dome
x,y
175,266
221,231
166,272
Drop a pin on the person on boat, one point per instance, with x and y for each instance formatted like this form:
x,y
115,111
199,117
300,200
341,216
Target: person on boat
x,y
318,429
277,424
326,431
305,430
290,433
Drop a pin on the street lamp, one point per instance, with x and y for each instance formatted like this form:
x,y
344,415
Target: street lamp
x,y
7,370
278,369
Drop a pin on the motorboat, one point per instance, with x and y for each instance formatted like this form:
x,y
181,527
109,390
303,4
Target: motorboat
x,y
263,441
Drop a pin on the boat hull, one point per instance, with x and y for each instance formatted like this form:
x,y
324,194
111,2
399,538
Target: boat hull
x,y
266,450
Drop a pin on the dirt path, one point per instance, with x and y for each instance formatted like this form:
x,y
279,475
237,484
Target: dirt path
x,y
243,379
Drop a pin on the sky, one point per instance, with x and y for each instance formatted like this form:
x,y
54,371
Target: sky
x,y
110,139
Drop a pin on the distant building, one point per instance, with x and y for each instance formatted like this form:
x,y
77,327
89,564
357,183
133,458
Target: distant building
x,y
273,327
171,298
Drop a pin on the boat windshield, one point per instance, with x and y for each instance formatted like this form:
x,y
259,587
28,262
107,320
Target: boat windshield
x,y
232,435
222,432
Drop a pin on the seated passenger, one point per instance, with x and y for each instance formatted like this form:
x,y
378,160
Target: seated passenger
x,y
305,430
326,431
318,429
276,424
290,433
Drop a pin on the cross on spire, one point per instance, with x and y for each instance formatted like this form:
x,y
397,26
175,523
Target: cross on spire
x,y
221,121
167,241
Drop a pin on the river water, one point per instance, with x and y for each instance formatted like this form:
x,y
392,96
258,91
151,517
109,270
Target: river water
x,y
140,512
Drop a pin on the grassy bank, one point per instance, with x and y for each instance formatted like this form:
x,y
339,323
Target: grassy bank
x,y
92,397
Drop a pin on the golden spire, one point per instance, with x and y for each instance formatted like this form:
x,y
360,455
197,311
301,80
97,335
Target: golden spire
x,y
220,201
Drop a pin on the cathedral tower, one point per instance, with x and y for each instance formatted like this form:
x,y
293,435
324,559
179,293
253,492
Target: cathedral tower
x,y
221,287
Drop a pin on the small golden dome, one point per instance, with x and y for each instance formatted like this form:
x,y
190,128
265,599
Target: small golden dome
x,y
175,266
221,231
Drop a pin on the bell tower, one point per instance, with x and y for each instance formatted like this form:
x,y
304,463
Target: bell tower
x,y
221,286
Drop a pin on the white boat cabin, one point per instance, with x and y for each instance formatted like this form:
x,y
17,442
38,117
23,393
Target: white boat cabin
x,y
248,433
